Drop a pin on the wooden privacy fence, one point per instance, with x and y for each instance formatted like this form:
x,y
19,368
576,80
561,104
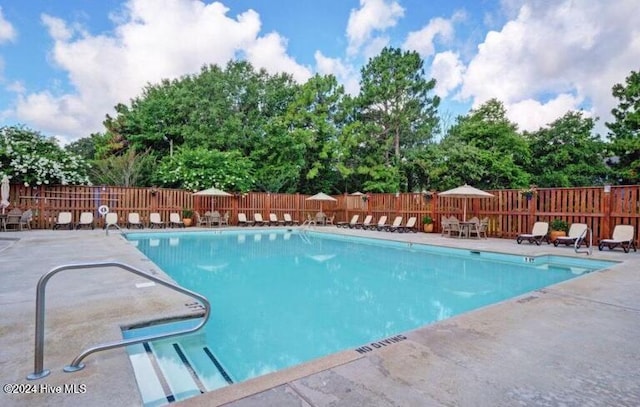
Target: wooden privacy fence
x,y
510,213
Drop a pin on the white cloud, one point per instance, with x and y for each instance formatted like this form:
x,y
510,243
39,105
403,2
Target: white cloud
x,y
344,73
532,114
373,15
151,40
7,32
448,70
554,49
422,41
270,53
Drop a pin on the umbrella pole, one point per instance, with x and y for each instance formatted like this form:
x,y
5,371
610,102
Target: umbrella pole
x,y
464,211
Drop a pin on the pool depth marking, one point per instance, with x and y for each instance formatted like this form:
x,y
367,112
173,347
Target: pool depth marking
x,y
380,344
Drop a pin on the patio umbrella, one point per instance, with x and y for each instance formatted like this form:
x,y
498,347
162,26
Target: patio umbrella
x,y
321,196
465,191
213,191
4,193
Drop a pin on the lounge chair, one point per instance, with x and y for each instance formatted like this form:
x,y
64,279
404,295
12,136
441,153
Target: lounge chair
x,y
133,221
288,221
258,220
111,219
351,224
274,221
365,224
577,232
175,220
242,220
381,225
63,221
155,221
86,220
623,236
410,226
539,234
396,225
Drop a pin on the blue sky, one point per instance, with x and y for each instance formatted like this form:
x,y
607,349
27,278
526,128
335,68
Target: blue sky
x,y
64,64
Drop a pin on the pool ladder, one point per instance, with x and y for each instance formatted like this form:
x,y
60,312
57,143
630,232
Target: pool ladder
x,y
39,371
576,245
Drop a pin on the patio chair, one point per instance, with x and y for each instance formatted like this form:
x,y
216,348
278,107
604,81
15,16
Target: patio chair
x,y
13,219
577,232
199,220
242,220
365,224
454,227
274,221
86,220
224,220
396,225
175,220
539,234
63,221
444,225
381,225
25,219
155,221
623,236
133,221
329,220
288,221
310,221
410,226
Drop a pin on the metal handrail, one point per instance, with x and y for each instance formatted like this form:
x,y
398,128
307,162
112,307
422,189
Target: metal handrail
x,y
39,371
578,242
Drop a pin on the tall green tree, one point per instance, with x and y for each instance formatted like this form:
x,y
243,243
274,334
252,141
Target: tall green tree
x,y
502,152
567,153
397,115
625,130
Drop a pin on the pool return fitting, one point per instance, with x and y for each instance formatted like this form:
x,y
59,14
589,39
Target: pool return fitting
x,y
39,372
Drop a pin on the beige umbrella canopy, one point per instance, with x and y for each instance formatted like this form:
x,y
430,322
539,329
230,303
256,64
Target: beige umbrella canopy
x,y
465,191
212,192
4,193
321,196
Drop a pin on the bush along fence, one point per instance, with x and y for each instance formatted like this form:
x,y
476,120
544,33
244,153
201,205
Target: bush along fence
x,y
510,212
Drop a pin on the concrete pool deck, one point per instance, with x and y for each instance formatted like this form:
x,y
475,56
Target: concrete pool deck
x,y
574,343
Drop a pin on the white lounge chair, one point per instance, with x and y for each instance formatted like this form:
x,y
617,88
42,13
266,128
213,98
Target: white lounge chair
x,y
410,226
64,220
174,220
111,219
274,221
365,224
539,234
381,225
623,236
155,221
576,231
288,221
258,220
396,225
86,220
242,220
133,220
351,224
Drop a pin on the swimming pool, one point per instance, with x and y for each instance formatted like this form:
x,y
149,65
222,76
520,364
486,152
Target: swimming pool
x,y
280,298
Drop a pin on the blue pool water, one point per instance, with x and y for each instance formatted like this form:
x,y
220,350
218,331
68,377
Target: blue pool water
x,y
280,298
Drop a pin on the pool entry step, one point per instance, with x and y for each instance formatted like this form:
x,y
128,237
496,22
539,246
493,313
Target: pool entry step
x,y
175,369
